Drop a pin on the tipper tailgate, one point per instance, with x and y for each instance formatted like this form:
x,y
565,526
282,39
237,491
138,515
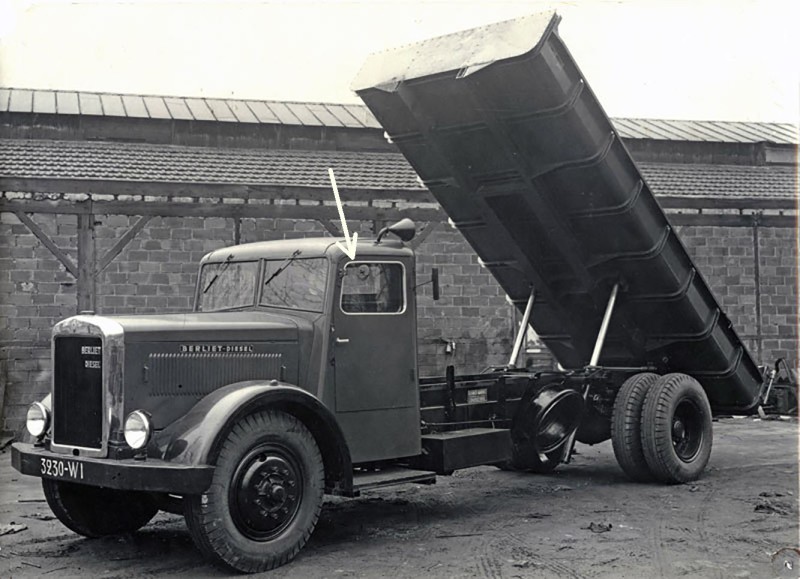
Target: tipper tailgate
x,y
503,129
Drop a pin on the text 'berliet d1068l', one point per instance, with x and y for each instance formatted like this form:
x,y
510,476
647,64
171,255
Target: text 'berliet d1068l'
x,y
296,373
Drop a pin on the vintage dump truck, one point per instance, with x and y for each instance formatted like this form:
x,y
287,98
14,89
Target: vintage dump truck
x,y
296,374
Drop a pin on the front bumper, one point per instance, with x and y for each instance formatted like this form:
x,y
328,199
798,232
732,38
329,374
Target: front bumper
x,y
152,475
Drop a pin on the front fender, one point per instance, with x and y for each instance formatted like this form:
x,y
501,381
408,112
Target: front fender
x,y
195,439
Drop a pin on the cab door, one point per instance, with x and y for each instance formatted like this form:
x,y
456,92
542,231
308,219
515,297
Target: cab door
x,y
374,342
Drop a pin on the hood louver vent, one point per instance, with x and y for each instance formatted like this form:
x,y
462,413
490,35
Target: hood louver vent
x,y
198,374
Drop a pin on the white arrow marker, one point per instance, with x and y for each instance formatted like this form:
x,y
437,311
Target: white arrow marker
x,y
350,250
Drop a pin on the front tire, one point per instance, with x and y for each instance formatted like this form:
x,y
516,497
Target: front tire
x,y
98,512
265,496
676,429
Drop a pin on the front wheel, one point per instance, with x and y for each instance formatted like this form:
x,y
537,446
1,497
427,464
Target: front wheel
x,y
265,496
98,512
676,429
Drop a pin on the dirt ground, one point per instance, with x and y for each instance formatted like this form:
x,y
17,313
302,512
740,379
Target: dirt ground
x,y
585,520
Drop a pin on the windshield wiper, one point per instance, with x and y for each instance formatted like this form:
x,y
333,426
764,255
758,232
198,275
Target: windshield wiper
x,y
220,270
283,266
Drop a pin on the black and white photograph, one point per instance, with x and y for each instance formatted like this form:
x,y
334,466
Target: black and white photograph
x,y
403,288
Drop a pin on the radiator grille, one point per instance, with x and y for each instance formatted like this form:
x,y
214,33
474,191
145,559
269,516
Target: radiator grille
x,y
78,392
198,374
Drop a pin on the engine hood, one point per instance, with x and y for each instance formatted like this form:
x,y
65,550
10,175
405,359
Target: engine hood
x,y
211,327
164,364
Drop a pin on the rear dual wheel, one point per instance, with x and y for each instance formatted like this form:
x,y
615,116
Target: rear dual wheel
x,y
661,428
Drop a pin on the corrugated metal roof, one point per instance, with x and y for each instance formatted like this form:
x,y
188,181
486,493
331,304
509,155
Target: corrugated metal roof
x,y
362,170
343,115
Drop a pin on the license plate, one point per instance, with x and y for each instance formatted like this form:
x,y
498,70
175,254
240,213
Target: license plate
x,y
61,468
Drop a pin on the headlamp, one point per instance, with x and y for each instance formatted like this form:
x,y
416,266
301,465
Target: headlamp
x,y
37,421
138,429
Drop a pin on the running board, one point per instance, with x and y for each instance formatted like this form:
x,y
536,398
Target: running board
x,y
390,476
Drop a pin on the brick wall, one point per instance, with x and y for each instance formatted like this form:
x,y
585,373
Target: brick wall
x,y
156,273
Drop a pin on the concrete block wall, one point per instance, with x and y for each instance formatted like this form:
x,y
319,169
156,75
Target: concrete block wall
x,y
35,291
471,315
725,256
156,273
779,299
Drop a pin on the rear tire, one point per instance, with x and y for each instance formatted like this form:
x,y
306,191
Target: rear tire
x,y
98,512
265,496
677,430
626,425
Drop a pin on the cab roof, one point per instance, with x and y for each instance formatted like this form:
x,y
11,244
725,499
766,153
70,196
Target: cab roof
x,y
309,247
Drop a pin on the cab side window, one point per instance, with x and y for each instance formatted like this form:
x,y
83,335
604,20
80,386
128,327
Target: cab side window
x,y
373,288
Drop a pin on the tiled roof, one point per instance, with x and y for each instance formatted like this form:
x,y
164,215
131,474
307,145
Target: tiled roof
x,y
357,170
182,164
342,115
721,180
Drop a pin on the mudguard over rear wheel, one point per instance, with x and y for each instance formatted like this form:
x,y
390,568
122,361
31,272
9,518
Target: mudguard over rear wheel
x,y
676,429
98,512
265,496
546,418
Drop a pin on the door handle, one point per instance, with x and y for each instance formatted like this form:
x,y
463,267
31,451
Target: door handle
x,y
342,340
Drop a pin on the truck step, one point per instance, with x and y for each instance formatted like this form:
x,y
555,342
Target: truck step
x,y
393,475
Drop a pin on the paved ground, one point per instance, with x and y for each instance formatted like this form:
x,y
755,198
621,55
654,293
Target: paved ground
x,y
486,523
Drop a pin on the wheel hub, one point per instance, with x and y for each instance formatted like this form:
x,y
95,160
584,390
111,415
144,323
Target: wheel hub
x,y
678,431
687,430
265,493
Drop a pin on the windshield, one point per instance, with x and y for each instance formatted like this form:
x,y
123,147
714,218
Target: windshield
x,y
297,284
227,286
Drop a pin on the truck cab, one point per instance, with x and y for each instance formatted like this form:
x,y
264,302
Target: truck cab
x,y
356,327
